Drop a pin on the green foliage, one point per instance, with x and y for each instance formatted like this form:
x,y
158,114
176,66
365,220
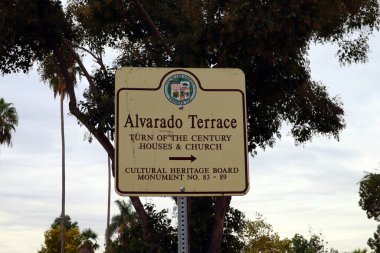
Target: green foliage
x,y
165,234
369,192
359,251
127,234
374,243
201,224
89,240
268,40
68,223
8,122
50,72
233,231
300,244
316,244
260,237
99,107
126,230
30,30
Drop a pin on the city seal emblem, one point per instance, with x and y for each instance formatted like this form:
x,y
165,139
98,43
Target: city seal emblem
x,y
180,89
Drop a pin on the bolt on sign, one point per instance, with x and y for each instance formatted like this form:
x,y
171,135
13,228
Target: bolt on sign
x,y
181,132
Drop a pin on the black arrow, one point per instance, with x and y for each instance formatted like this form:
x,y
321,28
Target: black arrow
x,y
183,158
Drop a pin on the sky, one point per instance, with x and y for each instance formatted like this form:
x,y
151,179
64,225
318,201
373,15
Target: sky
x,y
296,188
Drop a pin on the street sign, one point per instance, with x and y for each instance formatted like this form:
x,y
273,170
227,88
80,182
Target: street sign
x,y
181,132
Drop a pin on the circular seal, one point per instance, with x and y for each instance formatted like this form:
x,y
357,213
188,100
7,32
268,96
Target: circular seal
x,y
180,89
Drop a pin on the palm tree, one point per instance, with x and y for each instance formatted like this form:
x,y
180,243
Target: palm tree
x,y
127,233
50,73
61,90
8,122
59,87
89,241
126,230
108,203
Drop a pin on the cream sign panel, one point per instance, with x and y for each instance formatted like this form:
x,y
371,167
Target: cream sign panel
x,y
181,132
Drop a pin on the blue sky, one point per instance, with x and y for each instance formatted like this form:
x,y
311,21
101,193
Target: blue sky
x,y
295,187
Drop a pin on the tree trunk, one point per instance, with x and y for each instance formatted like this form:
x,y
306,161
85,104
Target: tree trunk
x,y
86,249
154,28
221,208
147,227
63,177
108,203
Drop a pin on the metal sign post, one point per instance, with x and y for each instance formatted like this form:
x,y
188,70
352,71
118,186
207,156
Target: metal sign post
x,y
183,239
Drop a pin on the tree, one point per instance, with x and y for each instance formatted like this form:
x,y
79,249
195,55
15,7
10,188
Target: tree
x,y
260,237
374,243
89,241
50,73
52,243
107,234
8,122
233,231
202,222
76,242
68,223
359,251
316,244
268,40
369,192
127,231
300,244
